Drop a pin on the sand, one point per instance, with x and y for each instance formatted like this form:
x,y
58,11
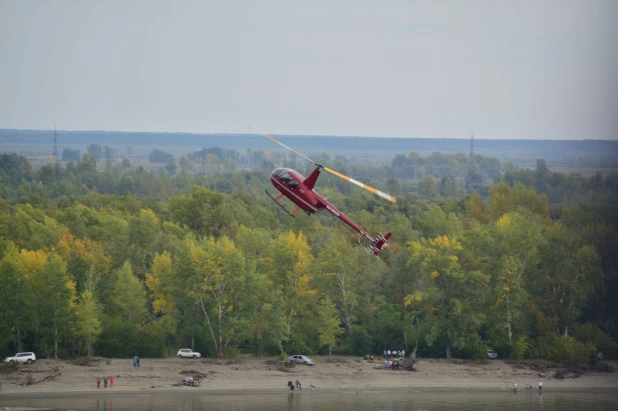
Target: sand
x,y
262,375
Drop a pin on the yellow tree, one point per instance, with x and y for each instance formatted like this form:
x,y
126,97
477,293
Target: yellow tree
x,y
86,261
504,199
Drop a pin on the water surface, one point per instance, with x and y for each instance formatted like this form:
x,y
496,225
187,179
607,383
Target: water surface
x,y
323,401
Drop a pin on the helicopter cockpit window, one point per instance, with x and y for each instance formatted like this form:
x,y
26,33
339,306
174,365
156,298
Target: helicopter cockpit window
x,y
293,183
285,177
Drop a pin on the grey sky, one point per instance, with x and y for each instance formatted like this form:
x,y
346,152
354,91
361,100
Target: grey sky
x,y
503,69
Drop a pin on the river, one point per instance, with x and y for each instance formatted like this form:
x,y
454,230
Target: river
x,y
331,401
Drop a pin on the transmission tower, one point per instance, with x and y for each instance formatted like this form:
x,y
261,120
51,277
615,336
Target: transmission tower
x,y
55,147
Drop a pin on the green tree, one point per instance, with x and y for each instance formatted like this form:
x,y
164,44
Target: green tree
x,y
16,313
289,266
159,156
203,211
186,164
163,286
88,326
568,271
143,235
219,282
435,222
339,267
329,324
96,151
130,296
171,167
55,299
507,250
449,300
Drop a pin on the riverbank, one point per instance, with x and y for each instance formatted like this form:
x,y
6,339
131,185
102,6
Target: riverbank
x,y
263,375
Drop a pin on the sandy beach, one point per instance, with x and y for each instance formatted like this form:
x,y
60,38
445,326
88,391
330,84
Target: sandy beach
x,y
268,375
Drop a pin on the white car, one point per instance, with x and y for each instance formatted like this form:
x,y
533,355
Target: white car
x,y
25,357
492,355
188,353
301,359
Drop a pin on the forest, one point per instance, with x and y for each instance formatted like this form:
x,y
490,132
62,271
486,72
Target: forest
x,y
120,261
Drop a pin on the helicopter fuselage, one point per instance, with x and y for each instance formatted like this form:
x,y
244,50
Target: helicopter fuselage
x,y
299,190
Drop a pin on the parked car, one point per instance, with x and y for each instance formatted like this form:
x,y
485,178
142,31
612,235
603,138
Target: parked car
x,y
188,353
492,355
25,357
301,359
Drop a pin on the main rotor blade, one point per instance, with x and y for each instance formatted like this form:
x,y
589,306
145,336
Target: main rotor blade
x,y
330,170
282,145
365,186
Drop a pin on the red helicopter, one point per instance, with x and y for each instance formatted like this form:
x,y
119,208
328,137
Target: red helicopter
x,y
299,190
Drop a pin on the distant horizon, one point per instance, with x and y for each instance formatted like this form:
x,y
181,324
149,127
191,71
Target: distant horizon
x,y
305,135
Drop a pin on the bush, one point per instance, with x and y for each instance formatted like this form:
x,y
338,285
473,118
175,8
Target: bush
x,y
589,333
298,346
120,339
567,350
519,348
359,341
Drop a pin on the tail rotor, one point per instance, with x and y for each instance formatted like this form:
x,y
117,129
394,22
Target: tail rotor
x,y
379,243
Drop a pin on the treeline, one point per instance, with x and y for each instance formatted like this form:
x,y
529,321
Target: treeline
x,y
122,262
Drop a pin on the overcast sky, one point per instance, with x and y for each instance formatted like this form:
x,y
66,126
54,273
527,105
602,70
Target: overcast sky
x,y
501,69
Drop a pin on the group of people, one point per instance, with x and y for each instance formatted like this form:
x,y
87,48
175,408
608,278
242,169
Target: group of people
x,y
388,354
190,381
599,355
105,379
393,365
291,385
136,361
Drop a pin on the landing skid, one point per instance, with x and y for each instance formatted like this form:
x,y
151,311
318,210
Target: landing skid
x,y
279,204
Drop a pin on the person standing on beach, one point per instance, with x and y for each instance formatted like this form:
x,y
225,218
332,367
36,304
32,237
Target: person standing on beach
x,y
135,361
111,382
98,382
540,385
138,361
104,382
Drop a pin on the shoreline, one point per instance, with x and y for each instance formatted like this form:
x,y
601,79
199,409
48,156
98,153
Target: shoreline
x,y
162,376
